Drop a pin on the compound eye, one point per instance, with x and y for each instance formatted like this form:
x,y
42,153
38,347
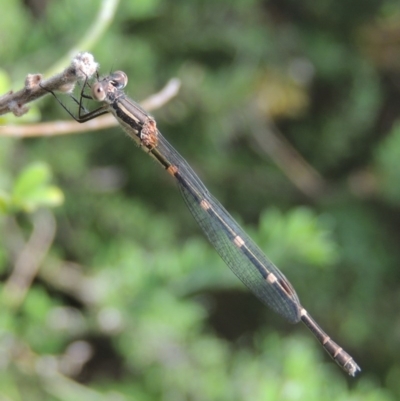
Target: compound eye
x,y
119,79
98,92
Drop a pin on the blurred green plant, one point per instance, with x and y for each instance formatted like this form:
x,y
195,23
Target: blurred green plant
x,y
31,190
124,304
387,156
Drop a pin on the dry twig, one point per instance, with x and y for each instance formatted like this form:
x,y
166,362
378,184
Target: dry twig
x,y
30,259
64,127
268,140
82,67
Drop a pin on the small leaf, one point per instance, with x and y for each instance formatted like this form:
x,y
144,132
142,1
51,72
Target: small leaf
x,y
4,202
34,176
31,189
37,304
48,196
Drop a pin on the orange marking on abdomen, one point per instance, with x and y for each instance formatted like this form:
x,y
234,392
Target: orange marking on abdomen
x,y
172,170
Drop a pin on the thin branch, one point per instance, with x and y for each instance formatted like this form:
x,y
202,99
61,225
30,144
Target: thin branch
x,y
69,278
156,101
268,140
82,67
46,370
55,128
30,259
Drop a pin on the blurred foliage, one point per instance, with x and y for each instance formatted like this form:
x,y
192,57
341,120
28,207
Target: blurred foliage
x,y
130,302
31,191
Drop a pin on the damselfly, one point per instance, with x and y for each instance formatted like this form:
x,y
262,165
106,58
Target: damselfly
x,y
234,246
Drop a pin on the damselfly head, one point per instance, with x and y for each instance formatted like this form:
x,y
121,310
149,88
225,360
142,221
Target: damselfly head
x,y
114,82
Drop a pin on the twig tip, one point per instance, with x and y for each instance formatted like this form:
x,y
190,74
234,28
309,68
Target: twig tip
x,y
84,65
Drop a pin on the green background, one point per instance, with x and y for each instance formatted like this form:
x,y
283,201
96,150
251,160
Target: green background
x,y
288,111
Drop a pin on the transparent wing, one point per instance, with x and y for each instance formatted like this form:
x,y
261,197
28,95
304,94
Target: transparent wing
x,y
247,261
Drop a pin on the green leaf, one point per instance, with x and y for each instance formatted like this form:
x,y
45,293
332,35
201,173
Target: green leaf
x,y
31,189
42,196
35,175
37,304
4,202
